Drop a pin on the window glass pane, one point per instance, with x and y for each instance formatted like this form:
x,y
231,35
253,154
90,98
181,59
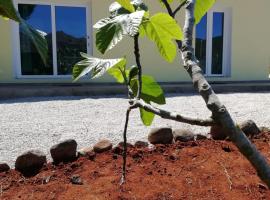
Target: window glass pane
x,y
39,17
71,36
201,37
217,42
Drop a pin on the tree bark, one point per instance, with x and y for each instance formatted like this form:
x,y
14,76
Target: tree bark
x,y
219,112
172,115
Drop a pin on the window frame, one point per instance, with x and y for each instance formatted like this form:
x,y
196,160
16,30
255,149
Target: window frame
x,y
227,31
16,38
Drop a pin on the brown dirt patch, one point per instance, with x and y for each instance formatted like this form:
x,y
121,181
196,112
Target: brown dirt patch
x,y
194,170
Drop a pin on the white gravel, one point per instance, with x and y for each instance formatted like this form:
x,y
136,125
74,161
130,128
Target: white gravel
x,y
38,123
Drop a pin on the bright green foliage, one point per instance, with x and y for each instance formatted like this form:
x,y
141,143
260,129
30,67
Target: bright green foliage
x,y
132,18
151,92
7,10
133,73
116,8
146,117
117,73
201,8
97,67
111,30
163,30
120,74
127,5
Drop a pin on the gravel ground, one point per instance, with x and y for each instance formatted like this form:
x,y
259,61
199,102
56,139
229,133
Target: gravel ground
x,y
38,123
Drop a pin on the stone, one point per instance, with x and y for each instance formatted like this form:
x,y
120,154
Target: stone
x,y
91,155
117,150
64,151
183,135
264,129
102,146
218,133
250,128
30,162
160,136
76,180
121,144
201,137
4,167
141,144
85,151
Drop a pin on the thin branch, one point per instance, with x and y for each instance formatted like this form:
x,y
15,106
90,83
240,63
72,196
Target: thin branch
x,y
178,8
138,62
172,14
168,7
219,111
123,178
130,92
172,115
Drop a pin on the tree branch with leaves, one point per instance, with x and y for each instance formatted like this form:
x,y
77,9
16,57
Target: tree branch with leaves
x,y
132,18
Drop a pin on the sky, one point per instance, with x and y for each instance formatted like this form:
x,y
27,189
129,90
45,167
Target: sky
x,y
71,20
218,23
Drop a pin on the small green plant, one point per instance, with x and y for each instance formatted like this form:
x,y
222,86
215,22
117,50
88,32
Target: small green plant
x,y
132,18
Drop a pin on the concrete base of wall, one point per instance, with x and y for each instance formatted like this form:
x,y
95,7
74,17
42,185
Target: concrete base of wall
x,y
9,91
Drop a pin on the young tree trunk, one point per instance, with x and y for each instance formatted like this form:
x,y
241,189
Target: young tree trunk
x,y
219,112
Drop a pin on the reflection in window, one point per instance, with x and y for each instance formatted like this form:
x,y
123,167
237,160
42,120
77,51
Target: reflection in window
x,y
71,36
217,42
201,39
39,17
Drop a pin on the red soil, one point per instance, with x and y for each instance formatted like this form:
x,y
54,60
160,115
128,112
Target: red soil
x,y
195,170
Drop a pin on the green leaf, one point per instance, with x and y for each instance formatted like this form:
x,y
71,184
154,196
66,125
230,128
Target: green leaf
x,y
96,66
146,117
37,38
111,30
163,30
165,23
201,8
117,73
127,5
133,72
116,9
7,10
151,90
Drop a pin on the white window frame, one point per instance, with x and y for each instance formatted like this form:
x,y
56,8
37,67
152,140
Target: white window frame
x,y
16,38
227,31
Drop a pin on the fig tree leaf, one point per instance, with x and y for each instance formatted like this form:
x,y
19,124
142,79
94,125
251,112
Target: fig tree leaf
x,y
163,30
97,67
151,90
201,8
127,5
146,117
112,30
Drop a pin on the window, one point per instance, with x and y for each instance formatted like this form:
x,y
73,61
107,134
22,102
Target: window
x,y
65,28
212,45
